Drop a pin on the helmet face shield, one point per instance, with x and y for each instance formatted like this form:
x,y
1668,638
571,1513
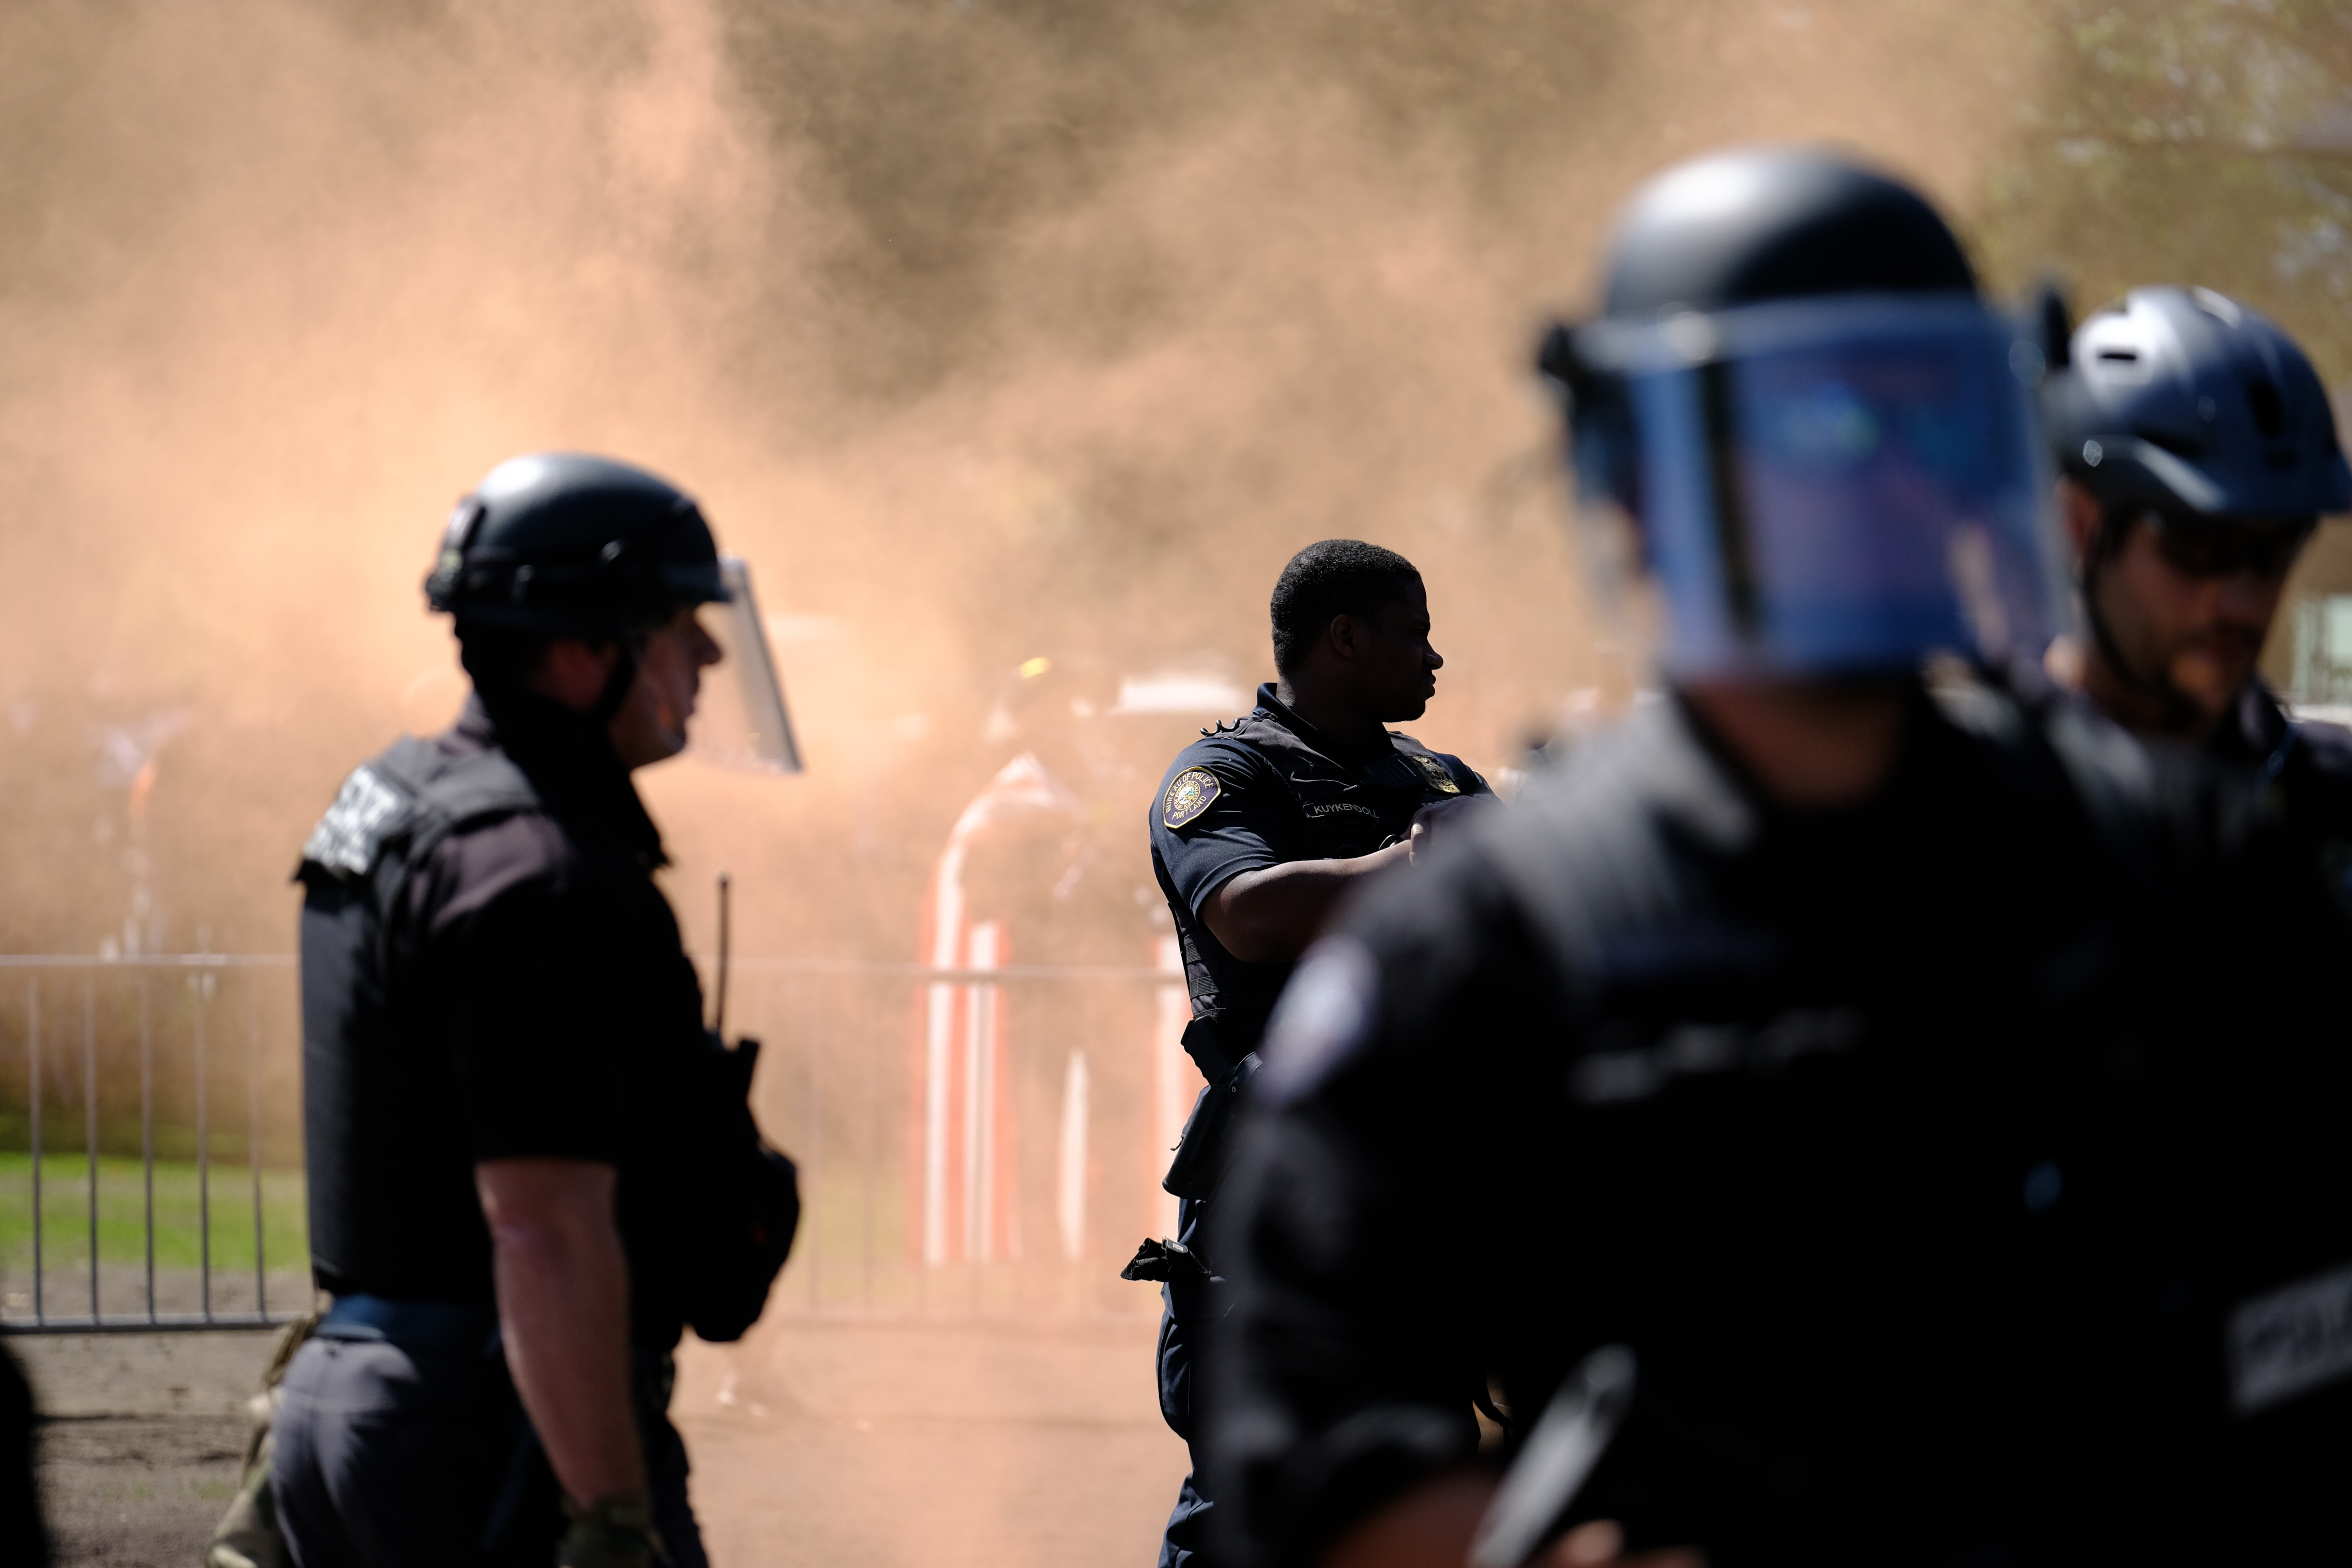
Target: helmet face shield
x,y
743,722
1824,485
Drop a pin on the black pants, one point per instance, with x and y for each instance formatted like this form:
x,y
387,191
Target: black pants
x,y
1190,1308
392,1458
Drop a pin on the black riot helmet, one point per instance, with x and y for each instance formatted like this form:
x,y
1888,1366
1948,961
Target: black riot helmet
x,y
1814,431
557,544
562,544
2185,403
1776,223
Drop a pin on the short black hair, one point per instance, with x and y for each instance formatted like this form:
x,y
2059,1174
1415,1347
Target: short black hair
x,y
1333,577
504,658
500,659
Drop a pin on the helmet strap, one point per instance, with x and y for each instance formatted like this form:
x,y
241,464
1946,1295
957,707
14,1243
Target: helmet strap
x,y
623,677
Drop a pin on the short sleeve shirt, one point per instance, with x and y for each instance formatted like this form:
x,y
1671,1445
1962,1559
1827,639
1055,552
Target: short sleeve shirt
x,y
1267,790
513,972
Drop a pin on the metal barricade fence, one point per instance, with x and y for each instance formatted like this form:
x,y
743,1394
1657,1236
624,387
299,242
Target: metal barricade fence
x,y
185,1118
970,1142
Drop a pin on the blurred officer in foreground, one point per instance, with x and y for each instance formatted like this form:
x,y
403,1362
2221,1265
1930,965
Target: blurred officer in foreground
x,y
1816,1034
2197,453
1261,826
525,1149
23,1537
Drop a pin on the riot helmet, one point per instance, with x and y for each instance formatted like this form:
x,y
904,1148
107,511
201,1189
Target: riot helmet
x,y
1812,433
2187,405
559,544
574,546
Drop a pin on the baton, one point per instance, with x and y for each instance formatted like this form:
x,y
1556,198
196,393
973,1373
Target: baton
x,y
1556,1457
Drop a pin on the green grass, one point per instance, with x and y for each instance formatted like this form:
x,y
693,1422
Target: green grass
x,y
121,1210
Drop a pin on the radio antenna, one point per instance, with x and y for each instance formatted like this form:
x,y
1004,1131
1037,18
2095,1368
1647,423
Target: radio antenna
x,y
719,1024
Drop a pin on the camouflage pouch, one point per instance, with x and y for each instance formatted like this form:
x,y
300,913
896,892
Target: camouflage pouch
x,y
617,1533
248,1536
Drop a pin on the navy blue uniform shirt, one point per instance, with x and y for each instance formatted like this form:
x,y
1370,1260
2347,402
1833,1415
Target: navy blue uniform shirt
x,y
1266,789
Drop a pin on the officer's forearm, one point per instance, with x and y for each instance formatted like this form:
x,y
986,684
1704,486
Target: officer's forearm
x,y
1271,914
563,1307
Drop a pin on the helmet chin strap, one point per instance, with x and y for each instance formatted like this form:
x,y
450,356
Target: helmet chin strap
x,y
623,677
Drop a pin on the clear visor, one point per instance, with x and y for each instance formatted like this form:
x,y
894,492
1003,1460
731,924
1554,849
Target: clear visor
x,y
740,720
1821,485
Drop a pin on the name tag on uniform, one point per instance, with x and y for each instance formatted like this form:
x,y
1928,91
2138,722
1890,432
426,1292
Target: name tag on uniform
x,y
1695,1050
2290,1341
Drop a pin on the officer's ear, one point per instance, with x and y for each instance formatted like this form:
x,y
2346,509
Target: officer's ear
x,y
2080,513
574,671
1344,634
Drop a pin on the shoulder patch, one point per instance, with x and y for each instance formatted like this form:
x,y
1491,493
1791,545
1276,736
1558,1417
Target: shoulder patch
x,y
1189,793
1439,779
347,836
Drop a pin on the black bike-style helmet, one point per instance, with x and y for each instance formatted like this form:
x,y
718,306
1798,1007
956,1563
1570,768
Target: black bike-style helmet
x,y
2186,402
567,545
1797,406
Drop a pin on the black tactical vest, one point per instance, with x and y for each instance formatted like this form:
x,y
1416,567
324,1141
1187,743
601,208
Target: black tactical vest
x,y
391,1212
366,1167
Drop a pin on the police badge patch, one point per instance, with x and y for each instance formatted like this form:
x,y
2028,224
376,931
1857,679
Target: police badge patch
x,y
1439,779
1188,794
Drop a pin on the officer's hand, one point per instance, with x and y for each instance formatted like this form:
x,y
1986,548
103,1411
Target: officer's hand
x,y
614,1532
1600,1544
1444,816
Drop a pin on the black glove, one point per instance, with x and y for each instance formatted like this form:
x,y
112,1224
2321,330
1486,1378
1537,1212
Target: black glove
x,y
612,1532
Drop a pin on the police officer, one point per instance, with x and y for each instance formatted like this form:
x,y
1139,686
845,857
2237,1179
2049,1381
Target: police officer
x,y
1261,826
505,1065
1814,1035
2197,453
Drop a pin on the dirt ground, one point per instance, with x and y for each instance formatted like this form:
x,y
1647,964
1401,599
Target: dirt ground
x,y
846,1445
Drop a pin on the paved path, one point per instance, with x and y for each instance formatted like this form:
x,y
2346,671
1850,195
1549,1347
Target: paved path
x,y
142,1441
845,1446
878,1445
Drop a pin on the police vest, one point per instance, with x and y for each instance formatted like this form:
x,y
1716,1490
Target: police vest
x,y
389,815
386,820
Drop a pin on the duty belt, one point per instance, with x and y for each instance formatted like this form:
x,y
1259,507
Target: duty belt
x,y
449,1327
